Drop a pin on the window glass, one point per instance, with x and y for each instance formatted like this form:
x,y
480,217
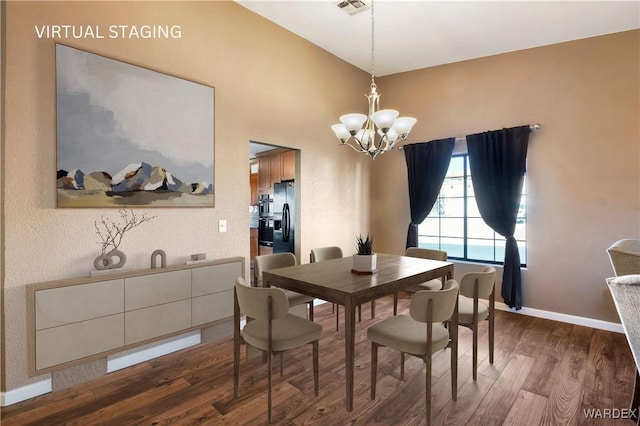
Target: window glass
x,y
456,226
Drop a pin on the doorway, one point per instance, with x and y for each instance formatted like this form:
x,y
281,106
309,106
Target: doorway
x,y
274,209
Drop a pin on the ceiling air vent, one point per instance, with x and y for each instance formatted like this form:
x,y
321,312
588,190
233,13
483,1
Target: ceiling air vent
x,y
352,6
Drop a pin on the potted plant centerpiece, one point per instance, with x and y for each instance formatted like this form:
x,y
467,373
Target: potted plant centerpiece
x,y
364,261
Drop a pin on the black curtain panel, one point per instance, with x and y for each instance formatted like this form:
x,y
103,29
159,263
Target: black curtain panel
x,y
427,165
498,161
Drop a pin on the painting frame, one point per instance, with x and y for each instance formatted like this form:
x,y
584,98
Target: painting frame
x,y
128,136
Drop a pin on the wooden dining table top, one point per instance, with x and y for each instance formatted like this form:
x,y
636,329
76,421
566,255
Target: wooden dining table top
x,y
334,281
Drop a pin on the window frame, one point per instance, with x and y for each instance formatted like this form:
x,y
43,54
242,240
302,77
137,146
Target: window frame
x,y
466,198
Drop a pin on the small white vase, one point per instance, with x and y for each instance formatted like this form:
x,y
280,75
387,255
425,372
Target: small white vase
x,y
364,262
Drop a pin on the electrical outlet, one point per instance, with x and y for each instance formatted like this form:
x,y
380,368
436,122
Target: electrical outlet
x,y
222,225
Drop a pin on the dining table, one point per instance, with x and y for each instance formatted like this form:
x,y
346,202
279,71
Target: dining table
x,y
335,281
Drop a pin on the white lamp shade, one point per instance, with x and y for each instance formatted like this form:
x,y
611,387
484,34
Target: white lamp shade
x,y
365,137
340,131
384,118
353,122
391,137
403,125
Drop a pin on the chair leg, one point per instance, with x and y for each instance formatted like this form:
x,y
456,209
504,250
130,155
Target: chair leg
x,y
395,303
402,366
316,368
236,368
374,368
491,337
269,386
311,311
373,309
454,372
428,389
474,328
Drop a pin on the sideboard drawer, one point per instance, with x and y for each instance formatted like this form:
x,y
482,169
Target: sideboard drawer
x,y
214,279
212,307
65,305
147,323
69,342
155,289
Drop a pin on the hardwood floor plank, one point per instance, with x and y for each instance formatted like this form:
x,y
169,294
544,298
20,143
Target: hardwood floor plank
x,y
526,410
496,405
565,398
470,395
535,359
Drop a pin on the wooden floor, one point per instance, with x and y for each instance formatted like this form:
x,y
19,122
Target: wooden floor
x,y
545,372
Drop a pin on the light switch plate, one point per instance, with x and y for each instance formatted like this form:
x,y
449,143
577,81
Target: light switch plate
x,y
222,225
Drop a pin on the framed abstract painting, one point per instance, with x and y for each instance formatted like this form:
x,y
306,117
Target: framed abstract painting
x,y
127,136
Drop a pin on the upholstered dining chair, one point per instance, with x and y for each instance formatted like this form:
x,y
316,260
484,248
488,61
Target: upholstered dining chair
x,y
272,329
280,260
421,334
625,257
435,284
327,253
473,287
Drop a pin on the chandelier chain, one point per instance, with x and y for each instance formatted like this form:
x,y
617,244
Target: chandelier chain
x,y
372,41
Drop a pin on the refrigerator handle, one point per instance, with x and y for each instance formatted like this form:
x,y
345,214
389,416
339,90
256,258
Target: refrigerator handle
x,y
286,230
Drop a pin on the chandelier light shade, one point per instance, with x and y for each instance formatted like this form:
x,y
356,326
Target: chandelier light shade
x,y
380,130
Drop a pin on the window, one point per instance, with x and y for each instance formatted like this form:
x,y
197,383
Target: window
x,y
455,225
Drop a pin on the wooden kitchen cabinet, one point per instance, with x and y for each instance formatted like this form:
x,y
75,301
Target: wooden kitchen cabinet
x,y
288,165
264,175
253,183
275,166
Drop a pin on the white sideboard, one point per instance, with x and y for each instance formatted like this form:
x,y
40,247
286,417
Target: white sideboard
x,y
80,319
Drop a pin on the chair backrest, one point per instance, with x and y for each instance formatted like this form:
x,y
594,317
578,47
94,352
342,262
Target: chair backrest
x,y
271,261
254,301
625,257
325,253
426,253
486,280
444,303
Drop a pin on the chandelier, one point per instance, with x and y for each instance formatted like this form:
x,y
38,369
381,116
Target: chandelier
x,y
380,130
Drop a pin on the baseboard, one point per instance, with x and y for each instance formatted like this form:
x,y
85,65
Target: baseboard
x,y
539,313
570,319
118,362
25,392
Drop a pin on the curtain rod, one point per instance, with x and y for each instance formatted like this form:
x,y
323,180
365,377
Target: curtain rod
x,y
532,127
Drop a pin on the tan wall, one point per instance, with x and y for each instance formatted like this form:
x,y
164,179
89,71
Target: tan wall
x,y
2,86
583,165
270,86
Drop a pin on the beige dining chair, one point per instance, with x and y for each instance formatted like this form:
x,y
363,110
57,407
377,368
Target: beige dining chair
x,y
266,262
421,334
273,330
327,253
435,284
473,287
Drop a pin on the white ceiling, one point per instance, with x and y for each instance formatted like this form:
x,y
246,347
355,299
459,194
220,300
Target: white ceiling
x,y
418,34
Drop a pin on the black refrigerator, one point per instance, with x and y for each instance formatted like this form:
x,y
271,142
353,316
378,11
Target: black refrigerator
x,y
284,224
